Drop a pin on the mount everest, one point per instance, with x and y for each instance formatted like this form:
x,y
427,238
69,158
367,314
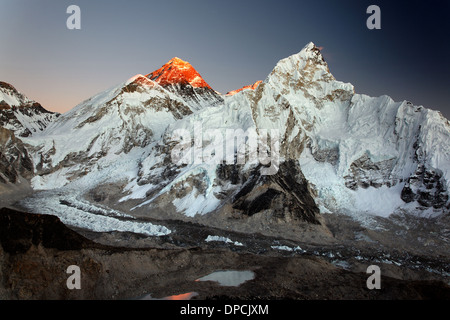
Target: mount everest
x,y
339,151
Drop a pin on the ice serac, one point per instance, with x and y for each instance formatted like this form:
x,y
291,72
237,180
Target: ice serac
x,y
180,77
20,114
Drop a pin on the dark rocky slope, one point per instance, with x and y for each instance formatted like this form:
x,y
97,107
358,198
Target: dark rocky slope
x,y
36,250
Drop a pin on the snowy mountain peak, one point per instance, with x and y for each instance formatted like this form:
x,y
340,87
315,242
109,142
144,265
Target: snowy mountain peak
x,y
7,86
309,62
180,78
252,87
178,71
10,97
310,47
20,114
304,80
311,51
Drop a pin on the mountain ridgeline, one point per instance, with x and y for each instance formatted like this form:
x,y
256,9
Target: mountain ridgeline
x,y
338,151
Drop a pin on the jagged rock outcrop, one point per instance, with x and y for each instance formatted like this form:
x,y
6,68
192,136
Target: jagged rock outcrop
x,y
15,161
19,231
427,188
286,195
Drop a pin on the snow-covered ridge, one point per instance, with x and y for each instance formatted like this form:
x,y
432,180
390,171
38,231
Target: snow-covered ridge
x,y
251,87
10,97
20,114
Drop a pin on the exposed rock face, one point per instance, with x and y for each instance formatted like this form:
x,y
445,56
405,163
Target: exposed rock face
x,y
365,173
19,231
286,195
15,161
426,187
196,97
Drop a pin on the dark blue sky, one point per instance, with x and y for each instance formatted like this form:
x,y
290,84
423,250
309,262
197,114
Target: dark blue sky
x,y
231,43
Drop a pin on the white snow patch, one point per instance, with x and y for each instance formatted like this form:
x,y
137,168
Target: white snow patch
x,y
287,248
222,239
382,201
193,204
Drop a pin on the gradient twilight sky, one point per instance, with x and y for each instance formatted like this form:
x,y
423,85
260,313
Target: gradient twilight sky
x,y
230,43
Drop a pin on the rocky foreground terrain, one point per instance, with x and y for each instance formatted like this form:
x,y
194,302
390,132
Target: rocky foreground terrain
x,y
36,251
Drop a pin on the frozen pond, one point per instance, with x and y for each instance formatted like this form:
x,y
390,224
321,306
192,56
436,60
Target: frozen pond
x,y
229,278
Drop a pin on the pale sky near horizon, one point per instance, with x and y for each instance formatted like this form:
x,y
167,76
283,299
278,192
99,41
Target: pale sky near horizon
x,y
230,43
